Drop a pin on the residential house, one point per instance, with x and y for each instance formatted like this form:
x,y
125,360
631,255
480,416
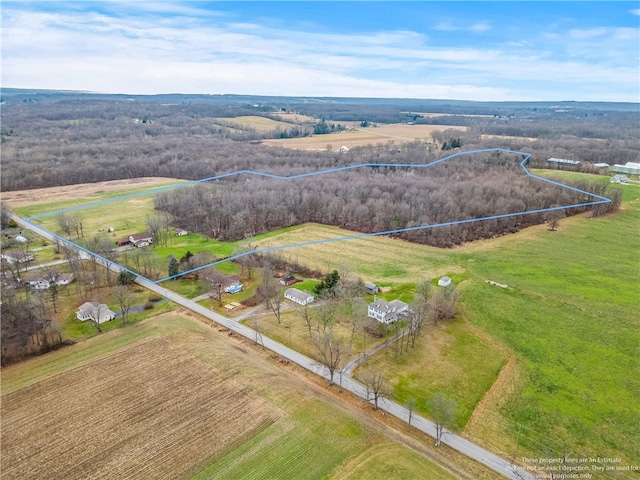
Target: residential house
x,y
44,282
94,311
371,288
298,296
387,312
15,256
141,239
444,281
288,280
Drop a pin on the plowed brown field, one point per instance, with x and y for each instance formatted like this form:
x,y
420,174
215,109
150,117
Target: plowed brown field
x,y
148,411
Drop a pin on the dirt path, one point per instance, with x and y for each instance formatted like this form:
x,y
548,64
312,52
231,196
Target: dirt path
x,y
22,198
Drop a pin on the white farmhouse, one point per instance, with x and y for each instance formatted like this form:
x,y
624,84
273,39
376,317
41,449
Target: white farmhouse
x,y
94,311
298,296
387,312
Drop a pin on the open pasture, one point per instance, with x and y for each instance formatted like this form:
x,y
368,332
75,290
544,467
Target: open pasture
x,y
172,398
400,133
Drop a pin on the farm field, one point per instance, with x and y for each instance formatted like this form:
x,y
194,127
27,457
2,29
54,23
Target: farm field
x,y
260,124
87,191
382,134
157,393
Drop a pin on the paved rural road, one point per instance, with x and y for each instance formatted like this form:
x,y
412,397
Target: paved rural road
x,y
471,450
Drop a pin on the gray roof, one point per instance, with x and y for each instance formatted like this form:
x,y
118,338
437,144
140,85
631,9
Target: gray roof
x,y
298,294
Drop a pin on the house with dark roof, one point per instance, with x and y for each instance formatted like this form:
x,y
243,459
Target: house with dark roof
x,y
288,280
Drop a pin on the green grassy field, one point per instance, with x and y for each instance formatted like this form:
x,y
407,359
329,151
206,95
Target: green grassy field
x,y
570,319
447,358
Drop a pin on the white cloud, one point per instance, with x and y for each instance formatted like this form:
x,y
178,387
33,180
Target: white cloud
x,y
159,53
635,12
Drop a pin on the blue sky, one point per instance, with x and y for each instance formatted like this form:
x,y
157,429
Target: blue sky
x,y
457,50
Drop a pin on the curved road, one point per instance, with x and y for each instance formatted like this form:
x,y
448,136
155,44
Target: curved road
x,y
467,448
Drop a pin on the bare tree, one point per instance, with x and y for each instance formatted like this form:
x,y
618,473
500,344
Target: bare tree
x,y
553,217
52,277
305,313
375,383
76,223
64,223
443,412
125,299
330,349
269,289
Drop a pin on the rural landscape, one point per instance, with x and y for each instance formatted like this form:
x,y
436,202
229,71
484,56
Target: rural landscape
x,y
493,337
383,240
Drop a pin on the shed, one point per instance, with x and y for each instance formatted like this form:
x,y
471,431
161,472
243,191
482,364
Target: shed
x,y
371,288
288,280
444,281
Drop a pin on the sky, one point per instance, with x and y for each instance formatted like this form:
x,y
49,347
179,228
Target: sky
x,y
480,50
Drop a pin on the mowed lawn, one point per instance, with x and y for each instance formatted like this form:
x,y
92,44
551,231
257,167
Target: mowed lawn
x,y
171,398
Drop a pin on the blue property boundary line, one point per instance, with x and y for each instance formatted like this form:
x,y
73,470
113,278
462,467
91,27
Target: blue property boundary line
x,y
525,160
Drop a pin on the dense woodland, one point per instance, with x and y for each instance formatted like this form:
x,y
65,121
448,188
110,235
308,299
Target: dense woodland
x,y
375,199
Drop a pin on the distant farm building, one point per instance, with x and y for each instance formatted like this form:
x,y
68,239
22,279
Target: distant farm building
x,y
601,165
15,256
343,149
121,242
141,239
288,280
561,162
444,281
371,288
94,311
631,168
619,179
181,233
298,296
387,312
21,239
